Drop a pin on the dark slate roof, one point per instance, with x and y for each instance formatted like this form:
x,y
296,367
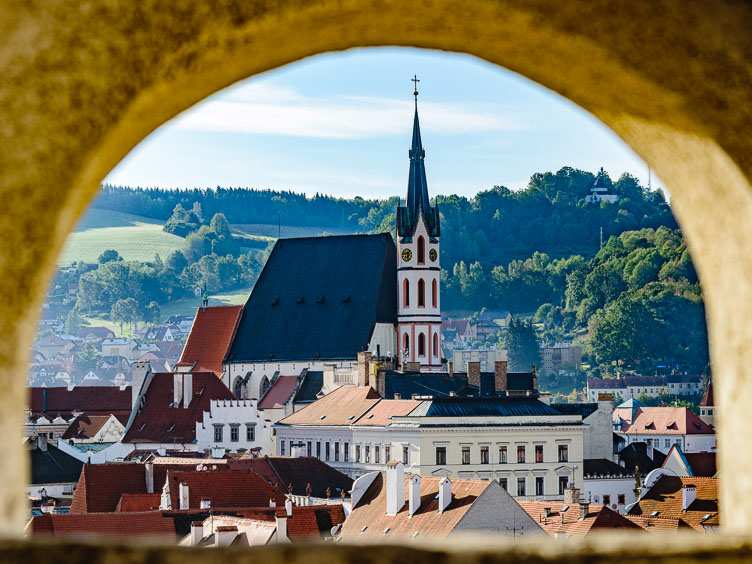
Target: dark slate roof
x,y
597,467
310,388
635,454
53,466
483,407
436,384
319,297
584,409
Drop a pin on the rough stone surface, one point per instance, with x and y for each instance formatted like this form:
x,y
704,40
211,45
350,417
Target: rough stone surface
x,y
84,82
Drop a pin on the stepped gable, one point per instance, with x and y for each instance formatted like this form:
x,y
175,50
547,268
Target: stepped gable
x,y
298,473
570,523
665,499
94,400
111,526
210,338
159,421
235,489
319,298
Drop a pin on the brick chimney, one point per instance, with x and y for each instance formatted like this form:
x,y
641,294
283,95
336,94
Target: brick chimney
x,y
413,494
177,389
395,487
187,389
364,362
584,509
500,377
445,494
183,496
473,373
689,494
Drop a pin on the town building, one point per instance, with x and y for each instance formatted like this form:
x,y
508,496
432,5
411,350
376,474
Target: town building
x,y
575,518
691,464
599,191
54,474
708,408
209,339
487,358
651,386
560,356
598,437
609,484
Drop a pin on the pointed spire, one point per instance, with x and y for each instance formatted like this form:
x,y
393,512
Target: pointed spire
x,y
417,186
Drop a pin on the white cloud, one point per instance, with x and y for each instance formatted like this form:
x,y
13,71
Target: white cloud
x,y
262,110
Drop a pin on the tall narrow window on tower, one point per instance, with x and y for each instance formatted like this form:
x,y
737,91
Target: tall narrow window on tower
x,y
421,250
421,345
421,293
406,293
435,344
406,343
434,294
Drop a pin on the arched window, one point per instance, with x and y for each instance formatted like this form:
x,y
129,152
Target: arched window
x,y
434,293
436,344
406,293
264,386
422,344
238,388
421,250
406,341
421,293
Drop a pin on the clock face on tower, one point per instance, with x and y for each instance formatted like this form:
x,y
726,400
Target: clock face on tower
x,y
433,255
407,254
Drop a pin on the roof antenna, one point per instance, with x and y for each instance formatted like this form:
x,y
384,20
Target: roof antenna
x,y
415,81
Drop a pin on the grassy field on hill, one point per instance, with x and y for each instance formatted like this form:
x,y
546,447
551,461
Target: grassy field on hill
x,y
134,237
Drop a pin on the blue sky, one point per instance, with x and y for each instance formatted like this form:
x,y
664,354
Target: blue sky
x,y
340,124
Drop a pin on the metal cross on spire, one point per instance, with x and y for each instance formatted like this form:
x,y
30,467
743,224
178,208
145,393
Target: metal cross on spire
x,y
415,80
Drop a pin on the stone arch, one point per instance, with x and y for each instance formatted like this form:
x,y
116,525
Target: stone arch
x,y
81,88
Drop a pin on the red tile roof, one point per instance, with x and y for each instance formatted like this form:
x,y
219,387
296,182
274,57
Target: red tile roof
x,y
210,337
279,393
285,471
667,421
707,399
150,524
665,498
381,413
86,426
598,518
339,407
101,486
240,488
160,422
132,502
307,522
702,463
95,400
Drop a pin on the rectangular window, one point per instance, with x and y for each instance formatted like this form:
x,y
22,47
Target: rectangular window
x,y
336,452
387,453
368,454
250,433
282,448
563,483
318,450
667,443
538,453
563,453
234,434
502,455
326,451
440,456
622,499
503,483
405,455
484,455
466,455
357,453
539,485
346,449
606,500
377,454
310,449
521,487
520,454
218,433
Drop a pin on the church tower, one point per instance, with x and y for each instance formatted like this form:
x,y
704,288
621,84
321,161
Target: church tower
x,y
418,271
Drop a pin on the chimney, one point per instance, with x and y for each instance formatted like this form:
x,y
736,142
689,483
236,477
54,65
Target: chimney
x,y
42,442
395,487
397,395
500,377
364,360
473,373
584,509
218,452
450,368
183,495
225,535
376,379
149,474
649,449
177,389
205,503
272,503
689,494
547,512
445,494
138,375
282,529
288,506
534,380
414,494
197,532
571,495
187,389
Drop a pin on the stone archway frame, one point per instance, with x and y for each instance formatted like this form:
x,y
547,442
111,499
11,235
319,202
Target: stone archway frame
x,y
84,83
